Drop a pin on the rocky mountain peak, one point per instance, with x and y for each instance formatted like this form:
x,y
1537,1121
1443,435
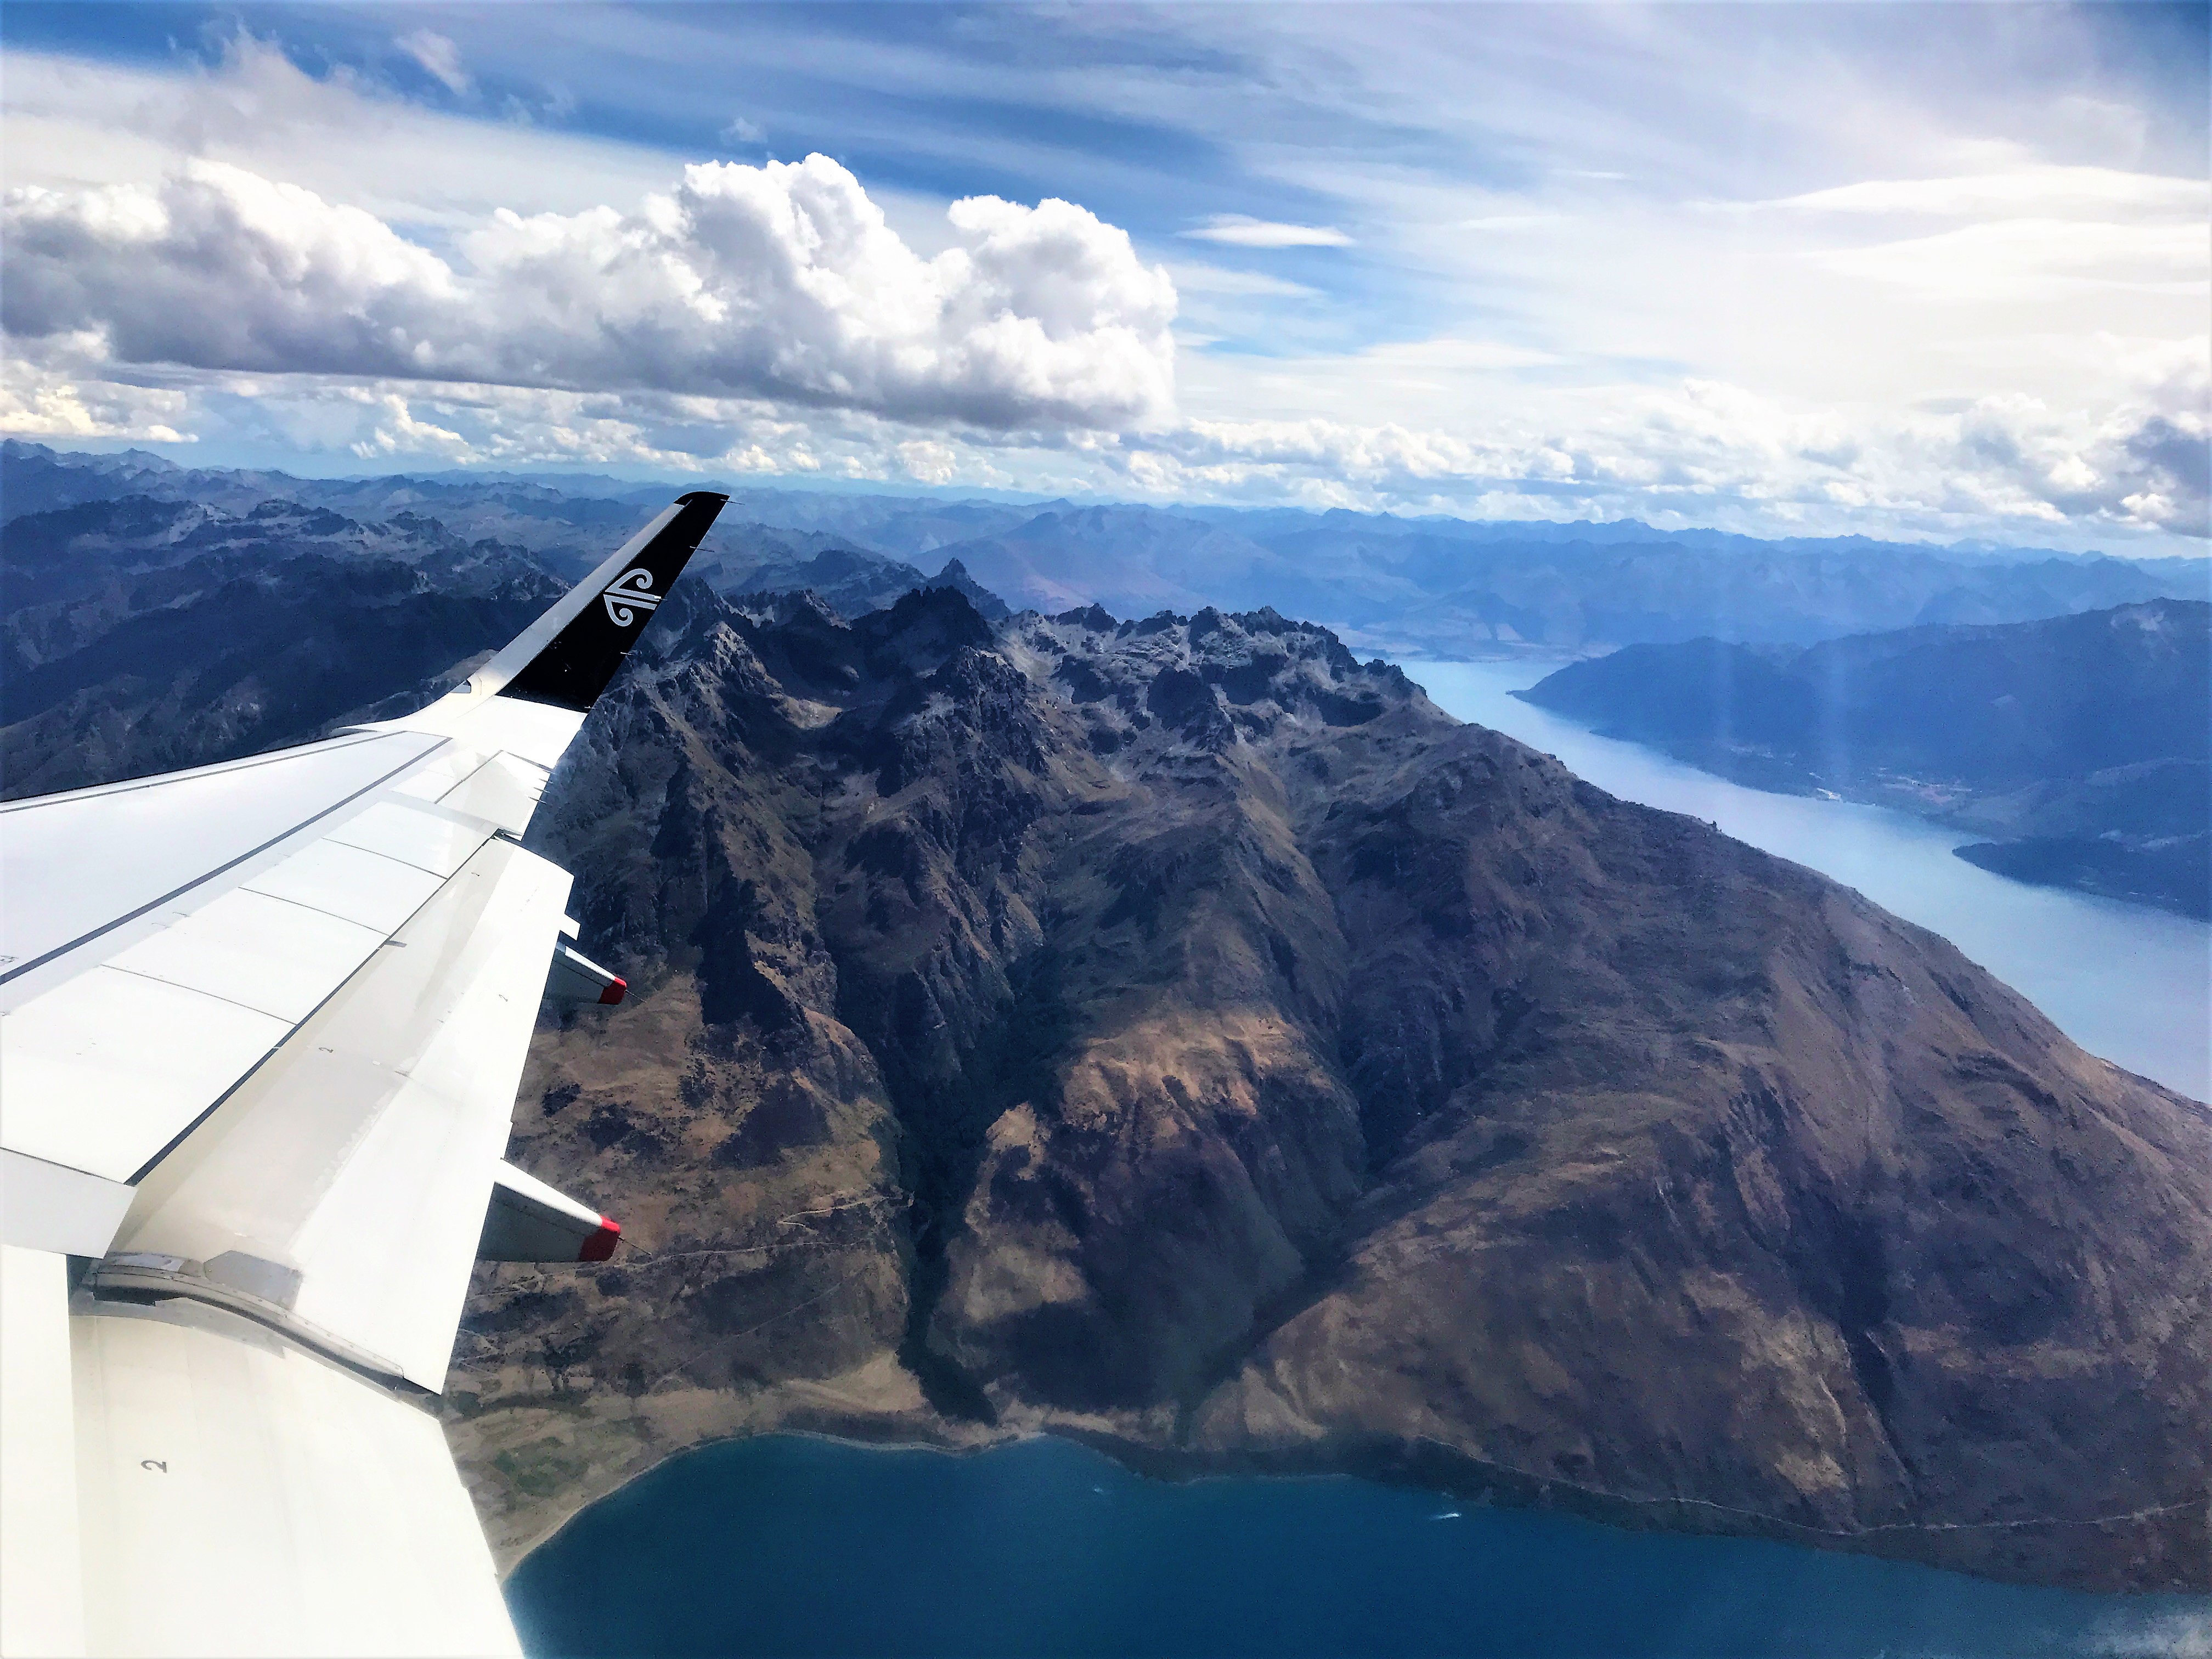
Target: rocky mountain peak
x,y
1184,1034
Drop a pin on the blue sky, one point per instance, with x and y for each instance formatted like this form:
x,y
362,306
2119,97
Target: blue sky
x,y
1903,270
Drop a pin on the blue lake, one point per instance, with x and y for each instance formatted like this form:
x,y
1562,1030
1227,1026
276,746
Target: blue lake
x,y
799,1546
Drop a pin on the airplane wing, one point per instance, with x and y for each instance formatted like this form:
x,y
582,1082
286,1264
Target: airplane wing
x,y
261,1027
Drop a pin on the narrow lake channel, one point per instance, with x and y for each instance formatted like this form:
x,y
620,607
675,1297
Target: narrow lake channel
x,y
2127,982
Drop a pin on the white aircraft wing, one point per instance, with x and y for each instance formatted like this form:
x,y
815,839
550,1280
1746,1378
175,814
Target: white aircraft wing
x,y
261,1026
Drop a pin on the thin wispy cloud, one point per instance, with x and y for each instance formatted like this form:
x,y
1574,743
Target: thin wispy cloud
x,y
1191,279
2041,190
439,57
1237,230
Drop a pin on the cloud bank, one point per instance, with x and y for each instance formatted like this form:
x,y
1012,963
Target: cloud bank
x,y
780,282
273,267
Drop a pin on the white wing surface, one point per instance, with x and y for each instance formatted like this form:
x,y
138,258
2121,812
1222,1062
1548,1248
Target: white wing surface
x,y
261,1026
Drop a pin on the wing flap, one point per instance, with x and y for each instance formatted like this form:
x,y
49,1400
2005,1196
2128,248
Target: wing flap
x,y
350,883
161,1032
266,953
53,1208
249,1498
438,841
506,789
374,1198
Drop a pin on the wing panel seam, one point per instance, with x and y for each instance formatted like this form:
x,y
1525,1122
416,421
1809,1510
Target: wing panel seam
x,y
202,880
244,1077
126,786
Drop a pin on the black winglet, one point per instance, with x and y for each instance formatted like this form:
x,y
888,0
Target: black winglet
x,y
576,665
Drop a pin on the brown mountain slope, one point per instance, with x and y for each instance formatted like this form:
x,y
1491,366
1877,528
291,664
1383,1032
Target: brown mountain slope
x,y
1176,1033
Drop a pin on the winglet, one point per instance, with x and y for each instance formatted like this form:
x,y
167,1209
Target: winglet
x,y
568,656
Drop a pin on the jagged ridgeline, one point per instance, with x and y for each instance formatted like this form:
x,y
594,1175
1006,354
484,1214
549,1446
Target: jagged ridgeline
x,y
1179,1034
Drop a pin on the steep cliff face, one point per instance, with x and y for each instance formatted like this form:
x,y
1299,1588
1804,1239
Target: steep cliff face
x,y
1178,1033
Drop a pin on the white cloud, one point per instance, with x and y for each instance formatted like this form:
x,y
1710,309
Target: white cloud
x,y
1236,230
1237,284
2036,258
397,431
1511,220
1575,332
2038,191
1695,452
1710,450
781,281
47,401
742,131
440,58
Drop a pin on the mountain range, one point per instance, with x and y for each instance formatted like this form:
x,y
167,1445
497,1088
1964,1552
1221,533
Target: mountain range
x,y
2083,741
1177,1033
1419,586
140,636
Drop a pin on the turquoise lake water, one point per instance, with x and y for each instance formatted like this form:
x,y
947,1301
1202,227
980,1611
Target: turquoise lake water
x,y
789,1546
794,1546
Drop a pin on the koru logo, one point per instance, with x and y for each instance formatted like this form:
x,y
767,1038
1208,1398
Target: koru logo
x,y
630,593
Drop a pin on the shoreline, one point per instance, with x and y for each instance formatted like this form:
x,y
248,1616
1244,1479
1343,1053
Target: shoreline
x,y
1418,1464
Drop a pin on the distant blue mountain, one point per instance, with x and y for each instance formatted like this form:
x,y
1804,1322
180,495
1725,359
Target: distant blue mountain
x,y
2081,741
1424,585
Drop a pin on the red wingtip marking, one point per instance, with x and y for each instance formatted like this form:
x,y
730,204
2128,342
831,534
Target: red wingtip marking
x,y
616,991
601,1244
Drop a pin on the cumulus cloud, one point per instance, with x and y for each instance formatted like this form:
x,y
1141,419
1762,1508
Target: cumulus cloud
x,y
1238,230
782,281
769,320
1704,449
50,406
1698,452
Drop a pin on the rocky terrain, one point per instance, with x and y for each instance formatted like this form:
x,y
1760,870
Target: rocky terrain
x,y
753,558
2082,742
1179,1034
140,636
